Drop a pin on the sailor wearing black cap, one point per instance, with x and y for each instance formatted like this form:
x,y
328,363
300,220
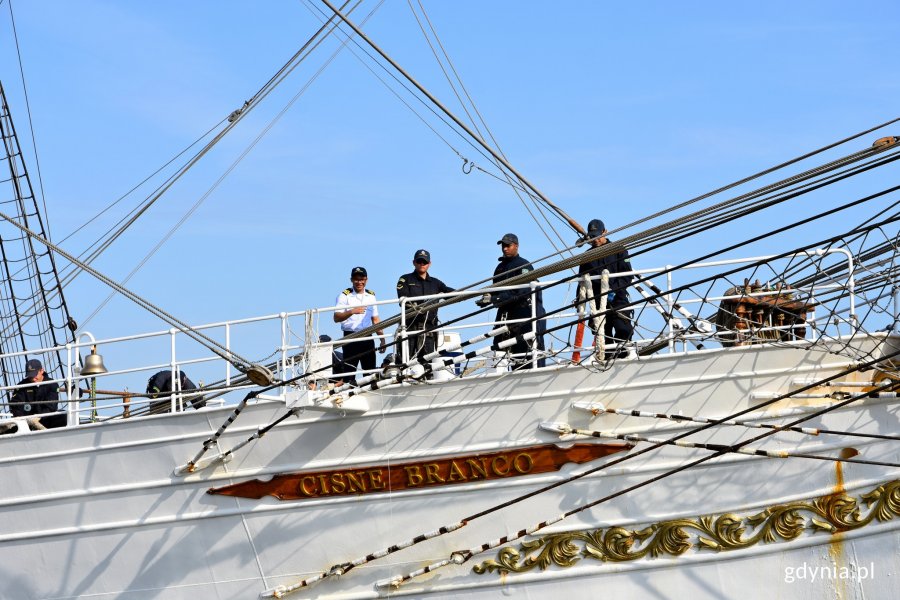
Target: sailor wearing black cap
x,y
415,284
37,399
618,328
360,313
516,304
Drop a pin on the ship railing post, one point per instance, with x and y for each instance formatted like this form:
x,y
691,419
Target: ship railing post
x,y
600,335
228,348
584,293
851,286
670,308
284,341
71,397
404,341
534,326
176,387
895,293
816,335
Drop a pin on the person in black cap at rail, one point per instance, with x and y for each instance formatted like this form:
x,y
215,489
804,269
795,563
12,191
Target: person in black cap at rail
x,y
516,304
619,326
360,313
415,284
37,399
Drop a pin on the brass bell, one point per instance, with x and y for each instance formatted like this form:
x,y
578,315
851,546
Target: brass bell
x,y
93,364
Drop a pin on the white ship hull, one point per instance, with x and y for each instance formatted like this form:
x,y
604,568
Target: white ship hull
x,y
98,510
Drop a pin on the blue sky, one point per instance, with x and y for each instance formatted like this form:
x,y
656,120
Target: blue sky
x,y
613,111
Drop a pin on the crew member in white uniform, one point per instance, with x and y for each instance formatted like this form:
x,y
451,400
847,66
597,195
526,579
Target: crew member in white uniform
x,y
360,314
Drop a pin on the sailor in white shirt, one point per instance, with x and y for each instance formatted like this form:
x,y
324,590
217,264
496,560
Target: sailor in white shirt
x,y
361,313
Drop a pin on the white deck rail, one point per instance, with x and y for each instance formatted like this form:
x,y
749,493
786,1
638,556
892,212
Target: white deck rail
x,y
133,359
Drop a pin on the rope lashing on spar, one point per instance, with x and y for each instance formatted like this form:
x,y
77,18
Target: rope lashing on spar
x,y
598,409
566,429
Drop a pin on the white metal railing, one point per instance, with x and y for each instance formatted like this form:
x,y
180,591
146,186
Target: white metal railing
x,y
137,357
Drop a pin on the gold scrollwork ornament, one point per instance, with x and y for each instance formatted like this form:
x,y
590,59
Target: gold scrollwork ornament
x,y
784,522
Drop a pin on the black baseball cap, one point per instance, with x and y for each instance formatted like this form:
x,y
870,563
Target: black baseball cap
x,y
596,227
509,238
422,254
32,367
358,272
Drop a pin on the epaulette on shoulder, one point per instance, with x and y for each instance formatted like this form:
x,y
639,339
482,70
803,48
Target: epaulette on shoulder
x,y
347,292
368,291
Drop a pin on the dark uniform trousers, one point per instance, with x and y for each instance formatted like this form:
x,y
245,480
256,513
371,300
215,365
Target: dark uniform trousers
x,y
522,347
519,309
412,286
359,352
421,344
618,327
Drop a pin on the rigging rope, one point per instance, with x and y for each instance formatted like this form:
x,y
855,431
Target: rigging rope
x,y
759,174
37,161
581,318
461,556
232,357
453,117
659,235
481,119
232,120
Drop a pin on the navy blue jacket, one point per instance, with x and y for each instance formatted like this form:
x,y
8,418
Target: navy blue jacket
x,y
413,286
507,268
161,383
614,263
43,398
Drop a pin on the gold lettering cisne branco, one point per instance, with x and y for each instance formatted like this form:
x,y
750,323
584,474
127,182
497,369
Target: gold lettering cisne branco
x,y
434,473
468,470
419,474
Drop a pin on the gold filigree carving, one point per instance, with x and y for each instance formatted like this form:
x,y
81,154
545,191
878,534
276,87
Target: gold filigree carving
x,y
833,513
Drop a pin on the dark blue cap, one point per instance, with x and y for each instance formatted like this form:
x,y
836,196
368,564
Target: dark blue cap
x,y
422,254
358,272
32,367
596,227
509,238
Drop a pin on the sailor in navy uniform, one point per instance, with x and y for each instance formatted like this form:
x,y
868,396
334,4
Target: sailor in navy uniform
x,y
360,313
516,304
415,284
619,327
37,399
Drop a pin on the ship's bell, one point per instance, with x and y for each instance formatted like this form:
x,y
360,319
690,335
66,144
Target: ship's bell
x,y
93,364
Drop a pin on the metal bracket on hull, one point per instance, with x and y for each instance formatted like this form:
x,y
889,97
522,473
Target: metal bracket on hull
x,y
201,464
322,401
595,408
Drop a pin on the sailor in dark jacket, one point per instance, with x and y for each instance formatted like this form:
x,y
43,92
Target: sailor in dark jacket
x,y
516,304
619,327
37,399
415,284
160,386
